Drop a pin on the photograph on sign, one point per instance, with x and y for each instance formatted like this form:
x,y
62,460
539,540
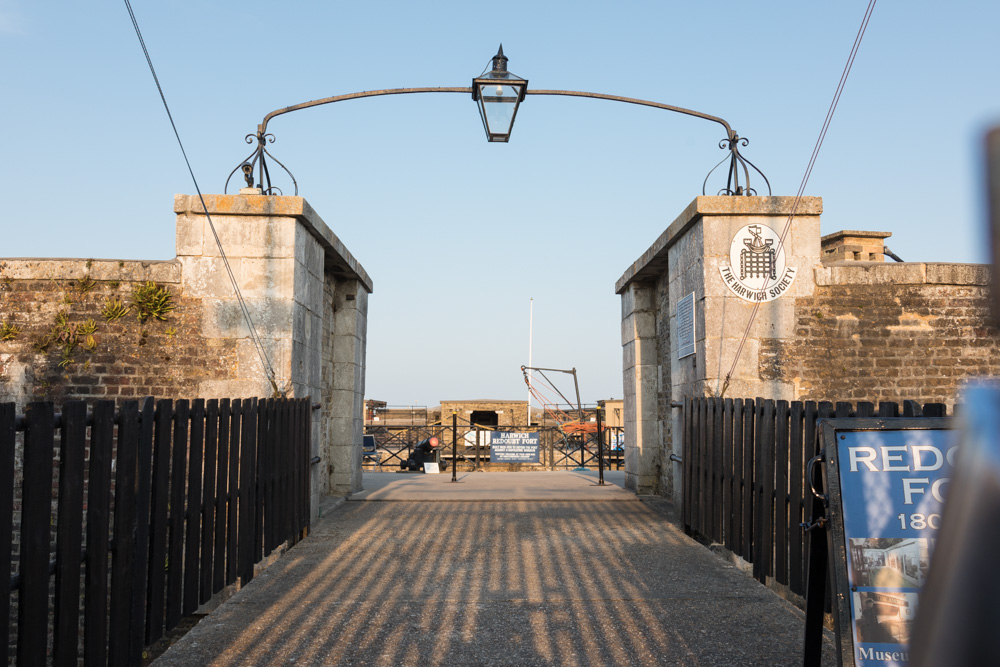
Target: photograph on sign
x,y
886,489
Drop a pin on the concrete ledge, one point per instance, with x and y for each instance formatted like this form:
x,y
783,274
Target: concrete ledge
x,y
337,256
167,271
958,274
560,485
654,260
901,273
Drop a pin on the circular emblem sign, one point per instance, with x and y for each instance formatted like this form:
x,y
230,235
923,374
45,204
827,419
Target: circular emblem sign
x,y
756,269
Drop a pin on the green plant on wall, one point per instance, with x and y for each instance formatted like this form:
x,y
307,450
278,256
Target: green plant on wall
x,y
67,336
114,309
151,300
9,331
66,357
62,334
86,284
87,331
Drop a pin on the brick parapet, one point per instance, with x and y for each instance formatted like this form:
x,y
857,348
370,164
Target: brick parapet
x,y
128,359
919,333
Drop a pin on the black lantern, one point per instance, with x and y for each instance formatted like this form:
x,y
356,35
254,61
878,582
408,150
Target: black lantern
x,y
498,94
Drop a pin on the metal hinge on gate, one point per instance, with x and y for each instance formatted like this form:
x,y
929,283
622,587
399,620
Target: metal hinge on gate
x,y
813,524
821,521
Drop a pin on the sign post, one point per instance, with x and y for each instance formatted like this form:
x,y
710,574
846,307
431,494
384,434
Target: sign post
x,y
886,481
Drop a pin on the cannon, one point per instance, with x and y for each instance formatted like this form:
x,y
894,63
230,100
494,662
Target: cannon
x,y
424,452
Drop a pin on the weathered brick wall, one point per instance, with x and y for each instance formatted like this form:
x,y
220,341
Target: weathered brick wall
x,y
57,343
53,304
888,332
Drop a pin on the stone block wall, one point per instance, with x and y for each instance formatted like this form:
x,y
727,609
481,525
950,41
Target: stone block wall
x,y
509,413
686,259
853,330
643,370
343,361
306,294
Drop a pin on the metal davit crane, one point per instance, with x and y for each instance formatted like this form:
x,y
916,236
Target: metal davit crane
x,y
577,428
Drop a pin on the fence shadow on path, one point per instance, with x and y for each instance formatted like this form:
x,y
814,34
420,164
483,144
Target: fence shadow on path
x,y
490,582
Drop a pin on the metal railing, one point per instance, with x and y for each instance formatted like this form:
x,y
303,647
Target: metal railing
x,y
557,449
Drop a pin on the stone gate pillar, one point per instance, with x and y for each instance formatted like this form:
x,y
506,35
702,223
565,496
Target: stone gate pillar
x,y
694,268
643,429
308,298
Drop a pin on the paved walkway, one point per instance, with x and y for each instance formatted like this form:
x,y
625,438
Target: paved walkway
x,y
517,569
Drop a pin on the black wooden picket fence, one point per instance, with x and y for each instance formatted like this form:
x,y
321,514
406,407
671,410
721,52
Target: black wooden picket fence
x,y
140,515
744,475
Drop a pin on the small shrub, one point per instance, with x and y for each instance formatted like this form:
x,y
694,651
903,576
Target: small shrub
x,y
114,309
9,331
151,300
86,284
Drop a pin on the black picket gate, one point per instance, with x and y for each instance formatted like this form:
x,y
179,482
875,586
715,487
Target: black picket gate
x,y
140,515
744,480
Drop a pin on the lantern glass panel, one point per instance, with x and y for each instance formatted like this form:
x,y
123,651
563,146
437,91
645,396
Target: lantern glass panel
x,y
499,103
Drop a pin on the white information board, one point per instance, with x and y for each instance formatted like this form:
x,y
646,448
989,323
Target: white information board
x,y
685,326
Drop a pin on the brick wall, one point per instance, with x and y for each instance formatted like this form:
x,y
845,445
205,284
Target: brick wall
x,y
283,257
888,332
859,330
50,357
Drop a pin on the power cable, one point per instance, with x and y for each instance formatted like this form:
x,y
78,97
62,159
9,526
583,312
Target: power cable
x,y
254,336
805,177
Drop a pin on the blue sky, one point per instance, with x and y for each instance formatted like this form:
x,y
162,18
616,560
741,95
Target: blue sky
x,y
458,234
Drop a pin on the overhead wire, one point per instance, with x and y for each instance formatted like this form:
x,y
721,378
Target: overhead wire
x,y
254,335
805,178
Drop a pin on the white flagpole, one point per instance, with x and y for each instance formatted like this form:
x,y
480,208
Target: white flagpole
x,y
531,323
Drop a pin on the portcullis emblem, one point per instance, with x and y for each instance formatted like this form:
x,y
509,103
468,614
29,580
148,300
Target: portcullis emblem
x,y
756,269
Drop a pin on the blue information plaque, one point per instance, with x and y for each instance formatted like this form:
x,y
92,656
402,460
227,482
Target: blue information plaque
x,y
511,447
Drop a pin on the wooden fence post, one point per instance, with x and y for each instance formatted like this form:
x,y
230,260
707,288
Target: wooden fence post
x,y
69,533
159,520
122,564
194,506
95,622
33,600
209,499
